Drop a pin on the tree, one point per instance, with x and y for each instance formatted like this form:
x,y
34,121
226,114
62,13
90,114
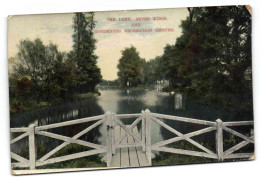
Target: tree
x,y
37,62
211,56
64,81
23,88
130,67
152,71
83,51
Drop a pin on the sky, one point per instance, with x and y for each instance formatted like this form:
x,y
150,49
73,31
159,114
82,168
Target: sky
x,y
57,28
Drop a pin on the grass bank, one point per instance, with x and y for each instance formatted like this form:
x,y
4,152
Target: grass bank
x,y
84,162
164,159
29,105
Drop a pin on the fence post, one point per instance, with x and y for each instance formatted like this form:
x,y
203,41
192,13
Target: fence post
x,y
113,134
109,138
32,148
148,137
219,140
143,131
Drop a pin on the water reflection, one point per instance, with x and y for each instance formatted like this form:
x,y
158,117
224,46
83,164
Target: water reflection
x,y
179,101
59,113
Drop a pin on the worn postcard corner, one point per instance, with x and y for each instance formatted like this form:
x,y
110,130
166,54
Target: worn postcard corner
x,y
249,8
13,172
252,157
9,17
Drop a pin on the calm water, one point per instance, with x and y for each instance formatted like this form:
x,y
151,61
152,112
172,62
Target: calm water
x,y
120,102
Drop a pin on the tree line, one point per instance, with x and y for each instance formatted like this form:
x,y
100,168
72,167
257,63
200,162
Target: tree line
x,y
211,60
134,70
42,73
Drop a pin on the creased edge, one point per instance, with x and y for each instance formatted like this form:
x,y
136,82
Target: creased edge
x,y
13,172
252,157
248,7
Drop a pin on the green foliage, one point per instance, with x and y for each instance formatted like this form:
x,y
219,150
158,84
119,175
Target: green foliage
x,y
130,67
108,83
166,89
83,51
136,71
35,66
88,95
16,106
89,161
176,159
64,81
212,55
41,73
22,90
151,71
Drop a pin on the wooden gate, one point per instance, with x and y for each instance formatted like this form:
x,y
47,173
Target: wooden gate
x,y
120,135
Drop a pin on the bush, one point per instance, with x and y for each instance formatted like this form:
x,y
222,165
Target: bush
x,y
16,106
166,89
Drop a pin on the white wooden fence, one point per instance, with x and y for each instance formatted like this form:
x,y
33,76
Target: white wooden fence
x,y
144,118
217,126
32,130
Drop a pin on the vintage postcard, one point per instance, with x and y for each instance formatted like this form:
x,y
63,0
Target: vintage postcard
x,y
132,88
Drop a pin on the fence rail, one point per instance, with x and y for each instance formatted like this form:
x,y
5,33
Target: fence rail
x,y
144,118
33,130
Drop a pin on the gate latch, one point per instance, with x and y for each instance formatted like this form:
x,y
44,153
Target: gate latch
x,y
108,127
